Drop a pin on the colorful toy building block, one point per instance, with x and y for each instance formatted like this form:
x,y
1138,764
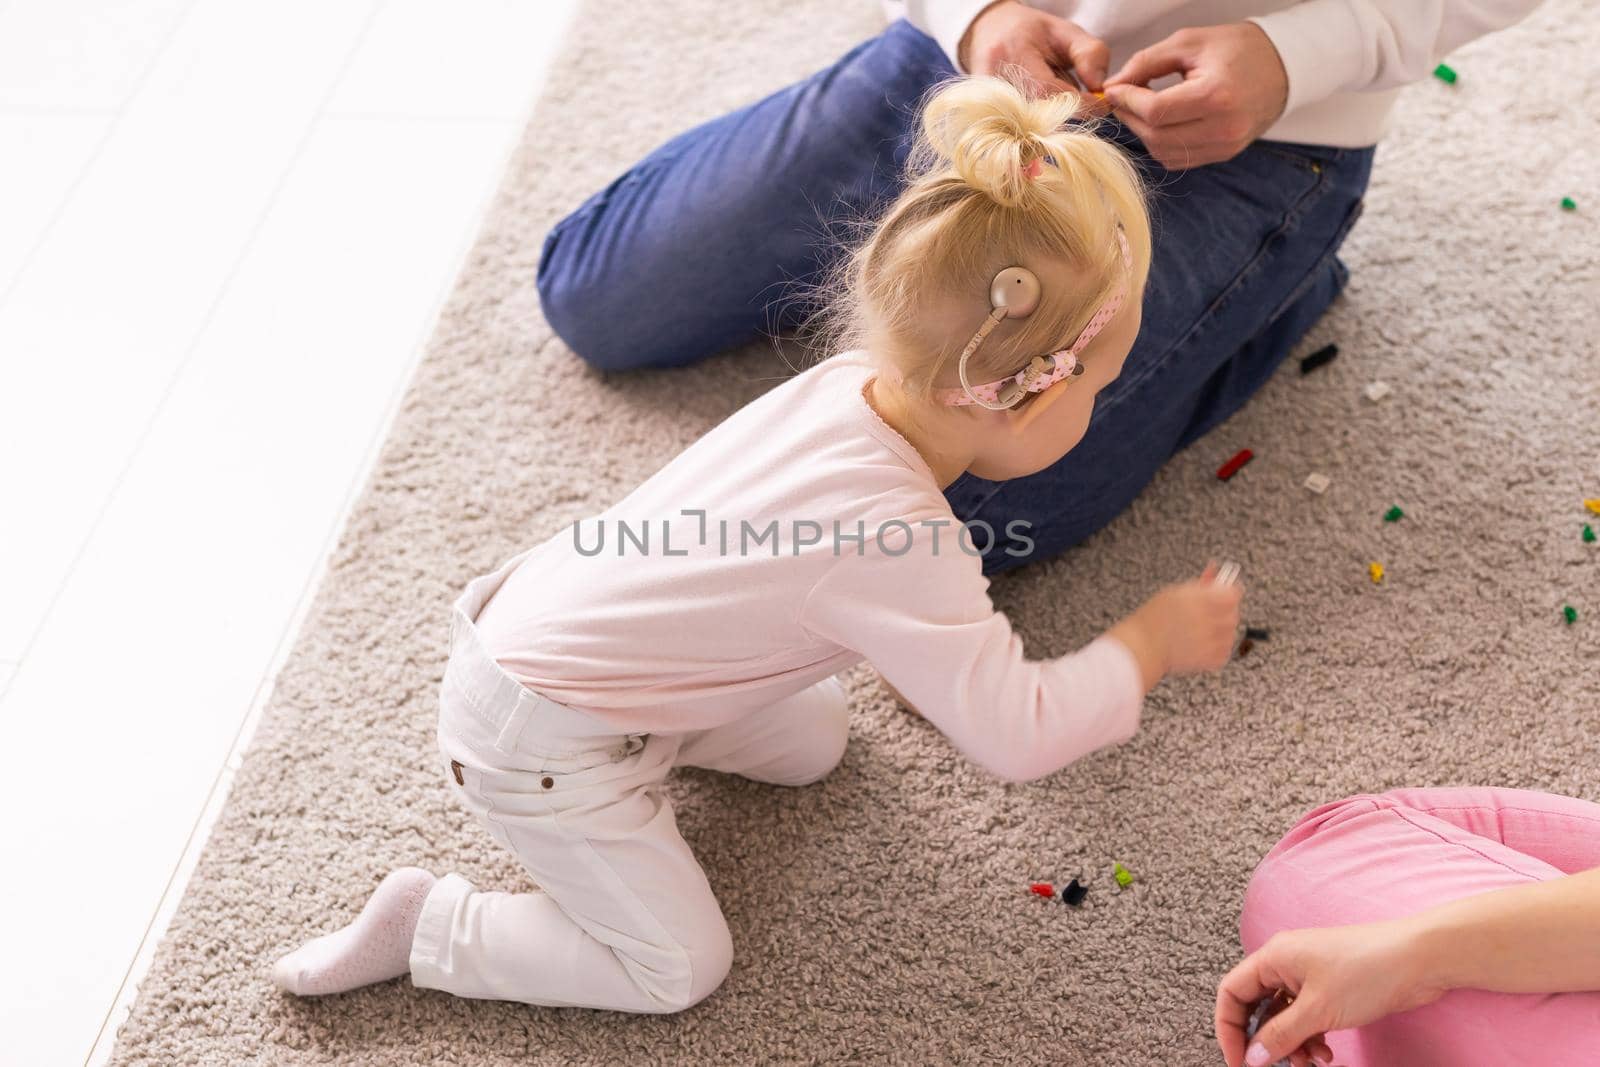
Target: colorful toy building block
x,y
1042,889
1445,74
1394,514
1376,391
1123,876
1569,613
1375,572
1318,483
1073,893
1593,505
1568,204
1588,534
1230,468
1257,633
1245,646
1322,356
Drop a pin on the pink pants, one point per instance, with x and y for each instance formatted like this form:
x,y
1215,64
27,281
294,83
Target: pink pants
x,y
1382,857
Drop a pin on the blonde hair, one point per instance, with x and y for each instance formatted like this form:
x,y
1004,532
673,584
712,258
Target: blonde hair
x,y
969,210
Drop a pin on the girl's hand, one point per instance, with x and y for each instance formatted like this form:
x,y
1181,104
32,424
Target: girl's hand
x,y
1338,977
1184,629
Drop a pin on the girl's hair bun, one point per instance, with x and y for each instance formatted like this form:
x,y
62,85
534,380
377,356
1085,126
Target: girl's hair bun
x,y
994,180
990,134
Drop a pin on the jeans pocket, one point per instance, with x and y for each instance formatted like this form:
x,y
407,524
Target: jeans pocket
x,y
551,784
469,781
1220,230
1311,155
1288,187
567,756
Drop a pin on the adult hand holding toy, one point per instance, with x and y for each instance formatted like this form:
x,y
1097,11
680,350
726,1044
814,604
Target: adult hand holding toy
x,y
1234,87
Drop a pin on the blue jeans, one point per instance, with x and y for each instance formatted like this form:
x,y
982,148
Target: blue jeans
x,y
703,245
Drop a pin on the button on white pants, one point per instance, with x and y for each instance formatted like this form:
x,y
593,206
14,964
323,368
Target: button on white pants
x,y
622,916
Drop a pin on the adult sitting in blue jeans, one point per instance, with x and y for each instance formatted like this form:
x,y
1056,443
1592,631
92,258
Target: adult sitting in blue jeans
x,y
1258,157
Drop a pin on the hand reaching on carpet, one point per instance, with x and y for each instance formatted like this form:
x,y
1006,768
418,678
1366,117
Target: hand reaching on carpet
x,y
1540,937
1186,628
1339,977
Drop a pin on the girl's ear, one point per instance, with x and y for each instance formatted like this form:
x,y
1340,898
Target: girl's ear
x,y
1022,418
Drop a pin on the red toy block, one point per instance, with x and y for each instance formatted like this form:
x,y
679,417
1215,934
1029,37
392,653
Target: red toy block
x,y
1043,889
1230,468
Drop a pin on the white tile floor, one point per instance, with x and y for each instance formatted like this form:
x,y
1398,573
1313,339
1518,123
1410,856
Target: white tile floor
x,y
225,230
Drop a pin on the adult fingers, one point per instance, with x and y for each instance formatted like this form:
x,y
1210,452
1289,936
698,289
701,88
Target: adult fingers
x,y
1312,1054
1174,147
1255,978
1087,53
1184,102
1285,1032
1032,73
1232,1024
1094,105
1171,55
1240,990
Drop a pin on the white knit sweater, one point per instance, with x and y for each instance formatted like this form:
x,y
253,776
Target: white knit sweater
x,y
1346,59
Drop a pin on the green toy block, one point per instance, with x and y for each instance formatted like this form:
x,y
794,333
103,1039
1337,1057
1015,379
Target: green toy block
x,y
1123,876
1445,74
1588,534
1568,204
1394,514
1569,613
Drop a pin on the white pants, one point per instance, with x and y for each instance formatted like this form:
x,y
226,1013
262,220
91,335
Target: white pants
x,y
622,917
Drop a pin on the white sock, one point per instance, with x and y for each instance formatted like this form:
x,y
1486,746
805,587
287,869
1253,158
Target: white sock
x,y
374,948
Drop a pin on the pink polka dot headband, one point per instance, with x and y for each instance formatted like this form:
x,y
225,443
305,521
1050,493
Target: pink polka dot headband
x,y
1042,371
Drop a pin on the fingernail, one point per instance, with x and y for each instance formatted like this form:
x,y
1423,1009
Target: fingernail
x,y
1257,1055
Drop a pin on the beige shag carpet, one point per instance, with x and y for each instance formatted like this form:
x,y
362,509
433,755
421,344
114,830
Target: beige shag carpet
x,y
882,915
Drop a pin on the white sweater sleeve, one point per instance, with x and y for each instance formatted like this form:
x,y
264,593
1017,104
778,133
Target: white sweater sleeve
x,y
946,21
1332,46
927,623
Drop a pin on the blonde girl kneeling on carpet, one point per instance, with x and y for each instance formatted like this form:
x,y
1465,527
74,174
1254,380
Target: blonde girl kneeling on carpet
x,y
700,622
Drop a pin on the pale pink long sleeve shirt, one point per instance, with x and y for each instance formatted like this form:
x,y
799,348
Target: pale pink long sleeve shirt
x,y
796,539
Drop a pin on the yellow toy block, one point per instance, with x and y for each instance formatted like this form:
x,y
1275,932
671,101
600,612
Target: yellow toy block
x,y
1375,571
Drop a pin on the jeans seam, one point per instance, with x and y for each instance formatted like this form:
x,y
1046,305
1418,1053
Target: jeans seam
x,y
1403,816
557,820
603,197
491,813
1352,215
1291,220
1495,809
678,949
